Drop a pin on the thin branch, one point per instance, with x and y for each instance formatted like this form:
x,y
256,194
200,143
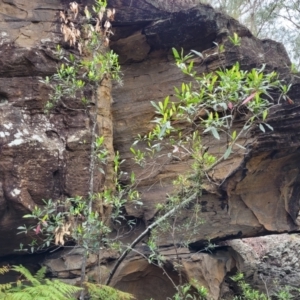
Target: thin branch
x,y
145,232
267,18
157,265
288,19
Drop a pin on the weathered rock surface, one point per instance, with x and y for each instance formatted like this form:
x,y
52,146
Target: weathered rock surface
x,y
249,201
47,156
269,263
259,189
42,156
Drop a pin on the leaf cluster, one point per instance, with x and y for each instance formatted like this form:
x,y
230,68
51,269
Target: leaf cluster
x,y
79,73
103,292
249,293
73,219
191,291
210,103
235,39
36,287
74,76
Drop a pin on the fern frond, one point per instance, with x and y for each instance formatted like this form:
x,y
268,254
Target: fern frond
x,y
26,273
52,290
4,287
44,292
104,292
35,287
17,296
64,288
40,274
4,270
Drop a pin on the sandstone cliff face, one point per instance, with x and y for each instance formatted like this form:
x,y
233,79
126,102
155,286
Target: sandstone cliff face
x,y
47,156
249,201
43,156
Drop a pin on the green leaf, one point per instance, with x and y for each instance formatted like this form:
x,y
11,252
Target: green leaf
x,y
215,133
245,127
135,142
102,171
175,53
132,177
233,136
99,141
265,113
227,152
197,53
28,216
269,126
261,127
161,106
240,146
156,106
162,131
166,102
262,68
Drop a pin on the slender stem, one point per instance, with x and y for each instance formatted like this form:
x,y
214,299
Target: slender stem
x,y
82,274
145,232
157,265
176,253
157,222
91,187
92,155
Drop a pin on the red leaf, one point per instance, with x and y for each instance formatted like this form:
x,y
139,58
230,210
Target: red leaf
x,y
290,101
37,230
230,105
249,98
